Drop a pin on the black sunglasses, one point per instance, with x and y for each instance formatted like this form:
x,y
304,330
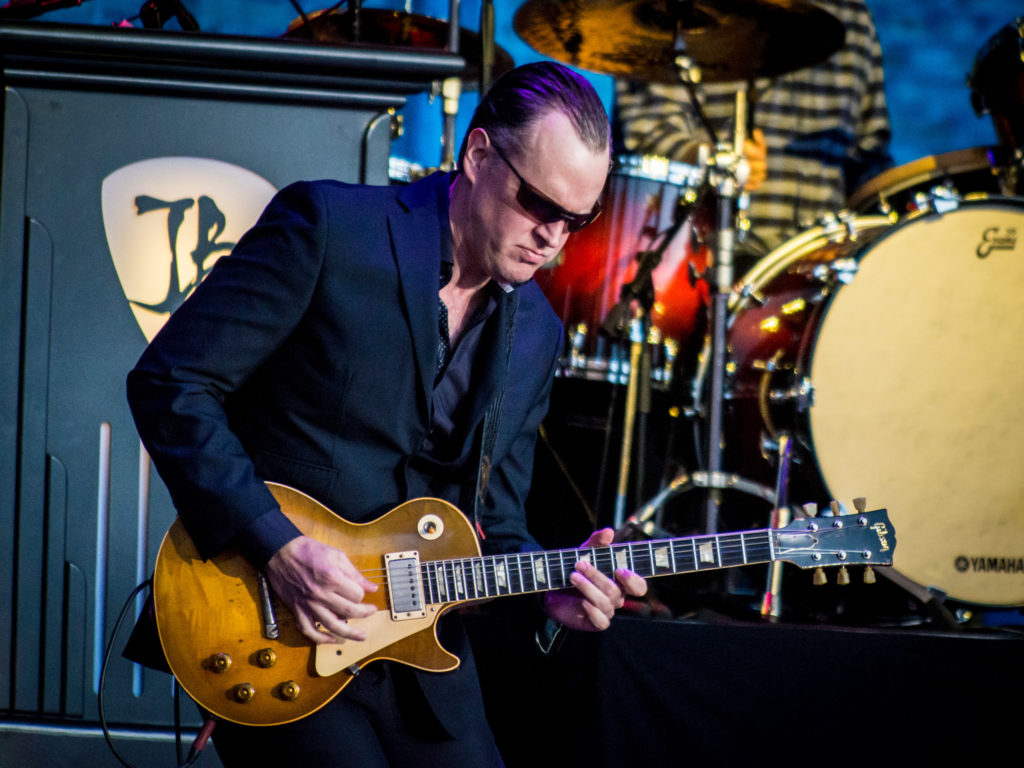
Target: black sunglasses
x,y
541,208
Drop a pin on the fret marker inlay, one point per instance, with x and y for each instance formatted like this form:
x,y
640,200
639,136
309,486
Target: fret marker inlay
x,y
661,557
707,552
539,573
460,584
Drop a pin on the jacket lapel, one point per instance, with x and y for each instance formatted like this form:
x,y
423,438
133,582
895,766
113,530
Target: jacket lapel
x,y
492,358
416,241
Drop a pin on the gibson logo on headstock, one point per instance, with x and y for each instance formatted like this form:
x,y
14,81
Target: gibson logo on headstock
x,y
882,531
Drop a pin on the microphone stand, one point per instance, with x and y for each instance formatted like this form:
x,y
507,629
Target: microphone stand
x,y
727,172
641,291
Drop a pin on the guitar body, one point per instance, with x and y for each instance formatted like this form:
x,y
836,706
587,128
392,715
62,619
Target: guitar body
x,y
211,624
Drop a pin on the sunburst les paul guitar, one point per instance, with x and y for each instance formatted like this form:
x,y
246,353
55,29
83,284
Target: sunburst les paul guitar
x,y
239,653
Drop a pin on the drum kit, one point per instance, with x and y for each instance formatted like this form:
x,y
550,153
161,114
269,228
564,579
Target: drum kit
x,y
870,355
867,356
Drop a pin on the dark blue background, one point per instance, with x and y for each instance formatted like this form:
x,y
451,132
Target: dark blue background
x,y
929,47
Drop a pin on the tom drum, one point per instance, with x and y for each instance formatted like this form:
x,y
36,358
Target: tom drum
x,y
641,201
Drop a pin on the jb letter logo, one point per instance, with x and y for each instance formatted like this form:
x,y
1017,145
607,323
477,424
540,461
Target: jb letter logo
x,y
168,220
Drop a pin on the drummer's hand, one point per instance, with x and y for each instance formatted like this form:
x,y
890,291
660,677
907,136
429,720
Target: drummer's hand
x,y
755,150
322,588
592,603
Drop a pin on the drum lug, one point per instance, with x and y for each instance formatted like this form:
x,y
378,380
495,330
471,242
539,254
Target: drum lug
x,y
849,223
749,292
769,366
801,395
839,227
843,270
577,357
942,198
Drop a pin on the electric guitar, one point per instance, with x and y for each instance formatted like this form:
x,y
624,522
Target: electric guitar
x,y
239,653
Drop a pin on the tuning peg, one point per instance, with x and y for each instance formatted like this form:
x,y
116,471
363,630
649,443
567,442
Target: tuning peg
x,y
860,503
843,577
836,509
869,575
810,509
819,577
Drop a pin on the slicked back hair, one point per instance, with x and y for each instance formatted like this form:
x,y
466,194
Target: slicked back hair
x,y
520,98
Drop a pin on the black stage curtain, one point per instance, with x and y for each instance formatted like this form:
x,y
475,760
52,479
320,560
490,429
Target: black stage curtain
x,y
673,692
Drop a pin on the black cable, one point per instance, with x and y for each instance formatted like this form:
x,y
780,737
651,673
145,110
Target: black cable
x,y
204,732
106,662
177,722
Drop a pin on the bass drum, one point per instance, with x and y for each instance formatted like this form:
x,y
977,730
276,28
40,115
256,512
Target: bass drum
x,y
887,352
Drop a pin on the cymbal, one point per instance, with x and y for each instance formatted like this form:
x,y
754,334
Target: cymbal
x,y
635,39
394,28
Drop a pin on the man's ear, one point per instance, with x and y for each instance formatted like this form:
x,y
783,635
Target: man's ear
x,y
477,145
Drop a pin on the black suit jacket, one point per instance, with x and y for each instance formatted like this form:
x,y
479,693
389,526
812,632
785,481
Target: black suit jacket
x,y
307,357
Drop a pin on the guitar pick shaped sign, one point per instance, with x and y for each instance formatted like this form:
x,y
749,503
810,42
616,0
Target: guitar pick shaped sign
x,y
168,220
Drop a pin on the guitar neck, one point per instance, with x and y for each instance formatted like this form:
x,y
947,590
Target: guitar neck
x,y
514,574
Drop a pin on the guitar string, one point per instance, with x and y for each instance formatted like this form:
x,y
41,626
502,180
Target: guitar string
x,y
494,563
447,587
725,547
490,565
603,554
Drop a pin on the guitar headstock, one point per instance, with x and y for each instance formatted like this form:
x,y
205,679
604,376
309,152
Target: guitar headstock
x,y
861,538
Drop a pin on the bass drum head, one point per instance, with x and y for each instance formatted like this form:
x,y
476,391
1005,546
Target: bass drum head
x,y
919,396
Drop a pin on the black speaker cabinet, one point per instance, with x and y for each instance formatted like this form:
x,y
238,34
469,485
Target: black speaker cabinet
x,y
131,159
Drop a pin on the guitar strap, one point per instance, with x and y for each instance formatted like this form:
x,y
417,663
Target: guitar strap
x,y
492,418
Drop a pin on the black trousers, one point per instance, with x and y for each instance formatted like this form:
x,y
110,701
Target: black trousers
x,y
380,720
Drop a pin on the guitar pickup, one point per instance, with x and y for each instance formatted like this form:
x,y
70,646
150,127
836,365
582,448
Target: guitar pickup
x,y
405,587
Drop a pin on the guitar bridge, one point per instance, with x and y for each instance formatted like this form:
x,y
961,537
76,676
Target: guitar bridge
x,y
404,585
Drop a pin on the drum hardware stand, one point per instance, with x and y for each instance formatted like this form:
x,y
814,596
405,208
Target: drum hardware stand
x,y
647,521
771,604
486,45
640,290
728,172
451,90
638,352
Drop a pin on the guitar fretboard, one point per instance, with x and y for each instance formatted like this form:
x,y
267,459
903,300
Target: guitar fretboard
x,y
474,578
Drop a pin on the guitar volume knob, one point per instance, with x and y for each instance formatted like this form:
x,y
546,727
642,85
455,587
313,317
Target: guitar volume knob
x,y
220,662
266,658
244,693
290,690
